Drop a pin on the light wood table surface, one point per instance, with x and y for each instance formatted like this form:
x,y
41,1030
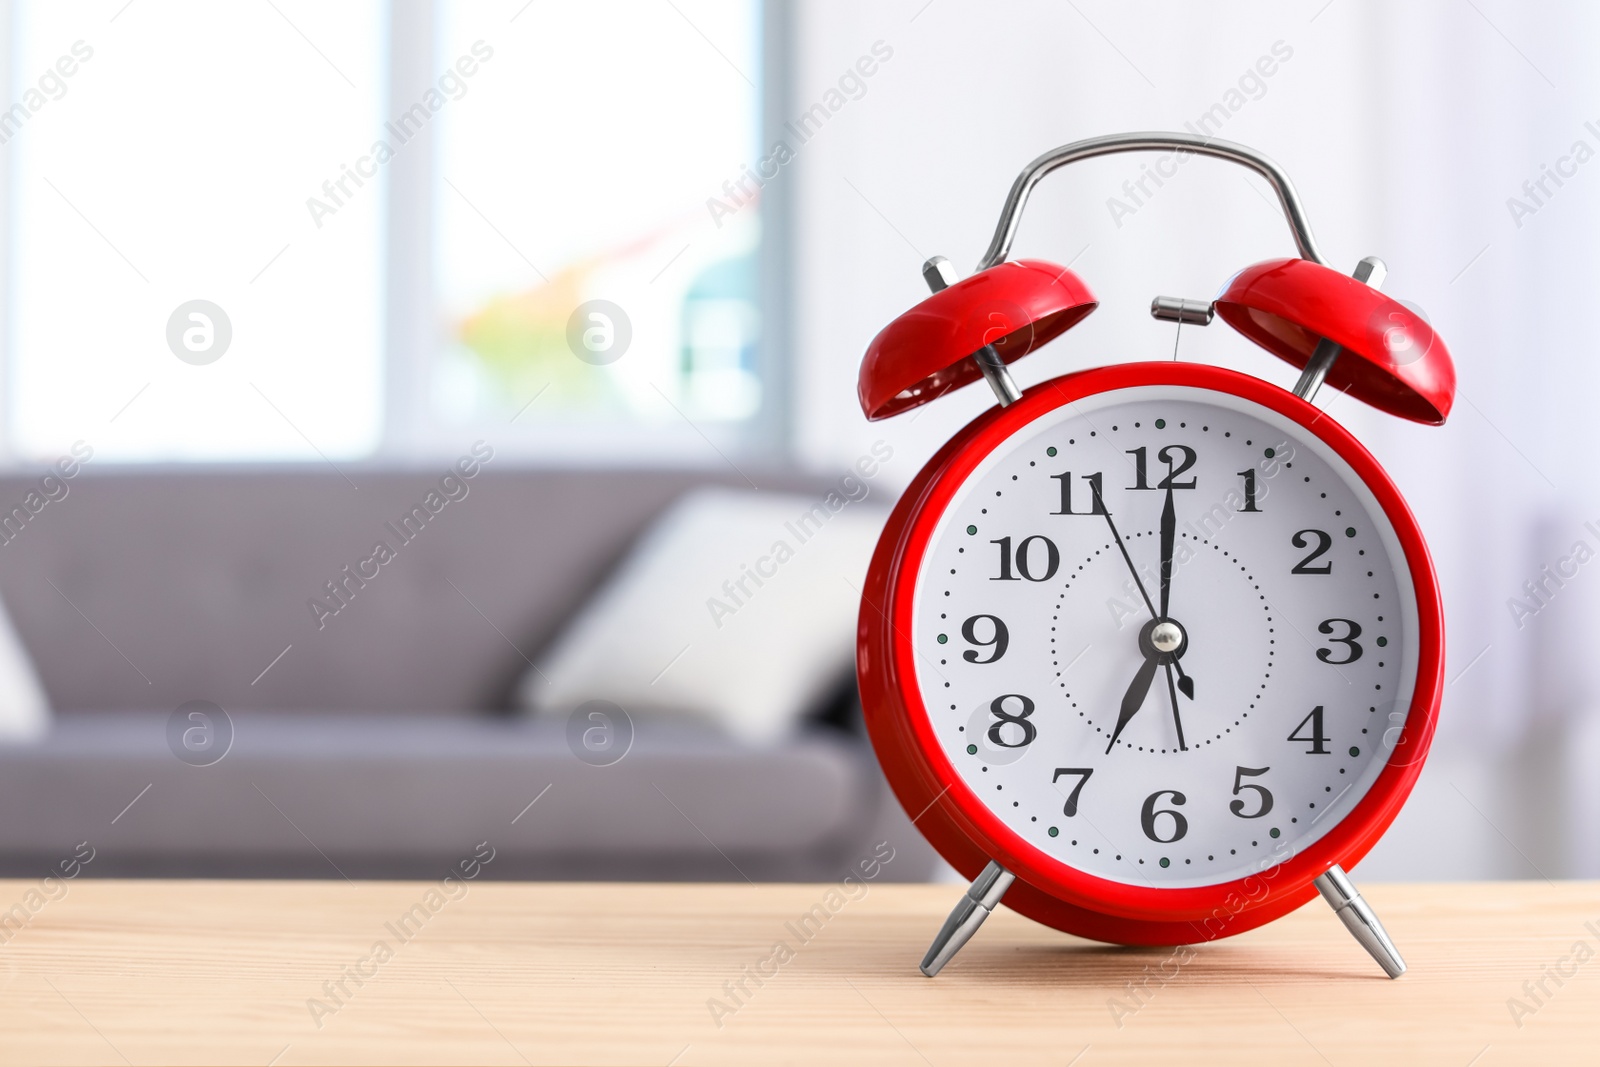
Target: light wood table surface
x,y
222,972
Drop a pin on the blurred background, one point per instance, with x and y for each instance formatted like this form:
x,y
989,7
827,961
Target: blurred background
x,y
398,398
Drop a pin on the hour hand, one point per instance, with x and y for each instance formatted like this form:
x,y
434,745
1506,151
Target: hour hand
x,y
1133,699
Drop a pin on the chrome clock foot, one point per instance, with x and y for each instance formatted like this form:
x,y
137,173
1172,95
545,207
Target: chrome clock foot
x,y
980,899
1358,917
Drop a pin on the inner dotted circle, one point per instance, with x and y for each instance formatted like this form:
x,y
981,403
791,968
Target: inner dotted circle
x,y
1055,650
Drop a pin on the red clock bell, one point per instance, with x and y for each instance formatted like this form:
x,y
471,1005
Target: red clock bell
x,y
1154,651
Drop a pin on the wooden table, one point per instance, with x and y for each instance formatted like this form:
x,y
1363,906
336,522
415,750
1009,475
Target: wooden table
x,y
251,972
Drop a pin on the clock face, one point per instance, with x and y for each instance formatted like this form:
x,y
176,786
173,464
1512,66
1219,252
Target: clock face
x,y
1166,635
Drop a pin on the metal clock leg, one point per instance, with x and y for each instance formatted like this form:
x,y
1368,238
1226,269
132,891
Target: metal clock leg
x,y
1359,918
981,898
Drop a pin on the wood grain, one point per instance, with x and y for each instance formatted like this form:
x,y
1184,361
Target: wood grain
x,y
222,972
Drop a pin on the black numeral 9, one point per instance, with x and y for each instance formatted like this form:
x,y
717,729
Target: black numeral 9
x,y
1001,638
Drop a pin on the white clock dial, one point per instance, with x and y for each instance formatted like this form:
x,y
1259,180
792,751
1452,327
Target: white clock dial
x,y
1060,695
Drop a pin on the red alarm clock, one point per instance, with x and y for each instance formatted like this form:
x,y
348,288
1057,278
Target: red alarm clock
x,y
1154,650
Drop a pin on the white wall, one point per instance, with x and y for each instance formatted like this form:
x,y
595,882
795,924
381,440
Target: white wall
x,y
1405,128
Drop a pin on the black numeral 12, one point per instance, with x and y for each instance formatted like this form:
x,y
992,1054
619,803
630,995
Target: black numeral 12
x,y
1141,478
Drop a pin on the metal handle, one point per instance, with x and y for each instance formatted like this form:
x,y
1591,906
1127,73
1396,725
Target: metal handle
x,y
1011,215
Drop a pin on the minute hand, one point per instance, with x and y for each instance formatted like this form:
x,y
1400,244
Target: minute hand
x,y
1169,529
1100,504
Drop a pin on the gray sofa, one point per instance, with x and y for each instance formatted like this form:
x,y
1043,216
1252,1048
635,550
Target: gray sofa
x,y
380,744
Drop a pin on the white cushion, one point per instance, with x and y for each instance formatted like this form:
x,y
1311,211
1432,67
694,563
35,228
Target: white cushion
x,y
24,710
736,607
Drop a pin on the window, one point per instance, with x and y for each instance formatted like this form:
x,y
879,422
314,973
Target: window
x,y
299,231
572,215
166,157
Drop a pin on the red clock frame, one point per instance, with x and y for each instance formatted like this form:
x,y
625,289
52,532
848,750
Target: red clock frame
x,y
963,829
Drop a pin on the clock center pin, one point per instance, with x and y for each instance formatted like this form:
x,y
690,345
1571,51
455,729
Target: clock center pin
x,y
1166,636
